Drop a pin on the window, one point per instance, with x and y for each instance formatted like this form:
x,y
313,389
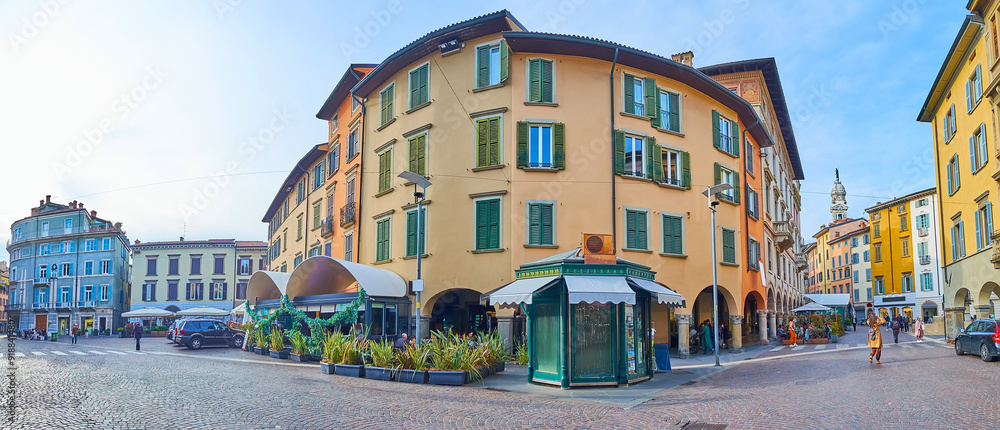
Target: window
x,y
418,86
385,170
491,63
148,292
171,290
857,295
906,246
541,223
299,229
876,230
856,277
297,261
922,251
878,252
725,175
386,99
173,268
635,229
195,291
417,154
752,205
383,232
954,178
879,286
107,243
300,191
44,249
355,104
245,265
348,246
151,266
904,223
753,253
634,162
673,235
541,81
868,276
926,282
676,168
333,159
104,293
866,239
488,224
854,258
974,90
45,229
67,269
869,291
957,241
218,291
977,148
220,265
317,212
728,246
923,221
907,282
241,290
854,242
411,232
725,134
669,112
88,268
105,266
196,264
352,143
984,226
318,174
634,95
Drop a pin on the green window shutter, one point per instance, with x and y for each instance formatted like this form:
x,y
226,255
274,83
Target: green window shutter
x,y
494,224
734,129
482,142
534,80
686,170
629,102
736,187
482,66
421,155
668,236
414,88
411,148
559,145
482,228
424,93
640,231
718,174
392,102
630,233
715,130
504,61
652,98
534,224
411,233
619,152
522,144
655,159
675,112
493,144
546,224
546,81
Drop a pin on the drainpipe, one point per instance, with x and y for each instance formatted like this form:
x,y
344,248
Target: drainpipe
x,y
361,163
746,217
940,205
614,204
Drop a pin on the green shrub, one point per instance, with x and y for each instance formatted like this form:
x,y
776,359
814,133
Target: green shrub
x,y
383,353
298,341
333,347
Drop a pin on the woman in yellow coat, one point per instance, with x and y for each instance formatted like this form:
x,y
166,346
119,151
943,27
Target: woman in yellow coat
x,y
875,336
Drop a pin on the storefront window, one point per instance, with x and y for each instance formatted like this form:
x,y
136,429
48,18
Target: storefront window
x,y
592,342
635,340
377,323
390,320
546,337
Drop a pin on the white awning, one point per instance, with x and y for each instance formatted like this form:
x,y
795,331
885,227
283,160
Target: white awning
x,y
324,275
599,289
266,285
661,293
520,291
203,311
812,307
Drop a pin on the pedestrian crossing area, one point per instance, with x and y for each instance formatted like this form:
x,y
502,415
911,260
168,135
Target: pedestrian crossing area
x,y
820,347
73,353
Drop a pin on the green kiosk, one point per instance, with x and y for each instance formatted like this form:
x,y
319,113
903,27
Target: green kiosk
x,y
588,324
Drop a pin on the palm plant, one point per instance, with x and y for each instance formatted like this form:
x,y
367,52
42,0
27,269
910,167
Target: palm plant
x,y
333,347
414,357
496,348
383,354
277,340
298,341
259,338
355,347
521,353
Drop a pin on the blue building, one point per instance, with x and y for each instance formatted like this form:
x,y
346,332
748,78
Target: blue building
x,y
67,267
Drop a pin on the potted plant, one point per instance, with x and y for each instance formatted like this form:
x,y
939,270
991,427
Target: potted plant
x,y
299,343
121,332
383,359
449,361
158,331
277,344
522,353
496,352
333,352
261,341
413,364
351,364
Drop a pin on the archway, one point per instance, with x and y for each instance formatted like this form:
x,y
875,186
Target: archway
x,y
172,308
988,293
751,304
460,311
962,300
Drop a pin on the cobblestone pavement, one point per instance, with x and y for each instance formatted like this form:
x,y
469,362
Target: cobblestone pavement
x,y
917,386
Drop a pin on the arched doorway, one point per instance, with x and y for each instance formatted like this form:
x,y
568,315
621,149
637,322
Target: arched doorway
x,y
753,303
702,309
460,311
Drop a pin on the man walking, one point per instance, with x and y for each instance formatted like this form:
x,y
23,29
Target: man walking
x,y
894,325
76,330
137,334
792,338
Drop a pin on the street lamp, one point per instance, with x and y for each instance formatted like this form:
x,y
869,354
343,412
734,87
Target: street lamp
x,y
712,203
418,198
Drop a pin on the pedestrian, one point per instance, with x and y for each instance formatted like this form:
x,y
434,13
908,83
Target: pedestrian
x,y
792,338
854,323
894,325
726,335
874,323
829,331
401,342
76,329
706,338
918,329
692,339
137,334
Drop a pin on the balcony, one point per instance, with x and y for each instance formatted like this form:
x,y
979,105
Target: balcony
x,y
326,226
923,231
348,212
925,259
800,262
43,306
12,307
86,304
783,235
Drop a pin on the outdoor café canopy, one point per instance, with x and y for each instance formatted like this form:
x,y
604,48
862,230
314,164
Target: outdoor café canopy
x,y
811,307
202,311
265,285
147,313
325,275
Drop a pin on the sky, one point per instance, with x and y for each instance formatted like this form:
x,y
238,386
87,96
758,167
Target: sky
x,y
183,118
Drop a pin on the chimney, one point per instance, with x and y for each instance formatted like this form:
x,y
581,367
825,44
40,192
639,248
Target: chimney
x,y
137,242
685,58
41,203
93,214
72,204
48,198
34,211
80,205
182,238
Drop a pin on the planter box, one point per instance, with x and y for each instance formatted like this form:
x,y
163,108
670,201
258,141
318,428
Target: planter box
x,y
158,333
283,354
351,370
499,367
299,358
820,340
447,377
834,338
412,376
315,357
261,351
380,373
328,368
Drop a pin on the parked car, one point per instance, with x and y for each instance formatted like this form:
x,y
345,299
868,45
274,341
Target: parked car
x,y
982,336
172,329
198,333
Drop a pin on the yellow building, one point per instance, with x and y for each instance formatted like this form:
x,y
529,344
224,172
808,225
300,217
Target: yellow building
x,y
964,129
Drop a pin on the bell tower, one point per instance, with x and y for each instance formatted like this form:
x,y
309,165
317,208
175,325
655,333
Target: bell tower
x,y
838,197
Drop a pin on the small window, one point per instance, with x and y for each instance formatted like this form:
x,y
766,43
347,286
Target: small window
x,y
634,160
978,151
541,81
491,63
670,111
726,134
725,175
386,103
540,146
385,170
488,141
636,233
541,223
634,95
974,90
418,86
728,246
416,148
383,232
673,235
488,224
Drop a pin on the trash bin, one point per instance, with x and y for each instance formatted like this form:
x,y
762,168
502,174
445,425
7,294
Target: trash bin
x,y
661,354
52,336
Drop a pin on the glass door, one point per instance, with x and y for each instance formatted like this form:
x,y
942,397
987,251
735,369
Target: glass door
x,y
593,343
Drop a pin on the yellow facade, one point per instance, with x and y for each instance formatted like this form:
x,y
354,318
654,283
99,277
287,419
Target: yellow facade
x,y
891,248
961,107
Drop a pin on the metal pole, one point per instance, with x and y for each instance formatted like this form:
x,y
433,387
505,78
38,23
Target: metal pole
x,y
420,240
715,289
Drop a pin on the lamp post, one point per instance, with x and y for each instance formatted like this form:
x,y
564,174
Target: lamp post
x,y
712,203
418,198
